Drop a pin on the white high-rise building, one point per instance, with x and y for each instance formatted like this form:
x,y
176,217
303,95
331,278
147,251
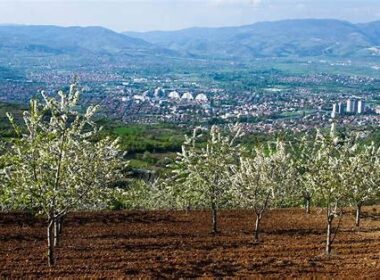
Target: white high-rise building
x,y
354,106
361,106
349,108
340,108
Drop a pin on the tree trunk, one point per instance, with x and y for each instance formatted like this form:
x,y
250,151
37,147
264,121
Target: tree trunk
x,y
214,213
307,205
328,235
56,232
358,215
60,225
257,227
50,241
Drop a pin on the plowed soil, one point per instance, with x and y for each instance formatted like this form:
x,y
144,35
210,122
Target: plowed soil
x,y
179,245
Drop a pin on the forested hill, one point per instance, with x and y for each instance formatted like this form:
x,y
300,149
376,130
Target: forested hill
x,y
61,44
302,38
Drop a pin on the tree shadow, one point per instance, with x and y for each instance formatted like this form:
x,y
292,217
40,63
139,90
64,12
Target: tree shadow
x,y
21,219
21,237
195,269
141,235
294,232
123,218
374,216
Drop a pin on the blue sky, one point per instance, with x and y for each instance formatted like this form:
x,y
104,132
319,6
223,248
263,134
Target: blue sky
x,y
146,15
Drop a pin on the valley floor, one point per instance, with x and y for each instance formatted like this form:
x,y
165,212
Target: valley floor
x,y
176,245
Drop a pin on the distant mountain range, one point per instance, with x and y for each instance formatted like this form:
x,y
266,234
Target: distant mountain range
x,y
300,38
289,38
75,42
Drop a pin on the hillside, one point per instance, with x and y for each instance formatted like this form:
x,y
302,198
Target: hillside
x,y
21,41
299,38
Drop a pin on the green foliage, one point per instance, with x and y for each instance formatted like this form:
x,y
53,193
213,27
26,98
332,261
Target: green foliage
x,y
141,138
6,129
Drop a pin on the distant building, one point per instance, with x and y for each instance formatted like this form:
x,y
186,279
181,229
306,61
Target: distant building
x,y
349,108
201,98
361,107
187,96
354,106
340,108
174,95
377,110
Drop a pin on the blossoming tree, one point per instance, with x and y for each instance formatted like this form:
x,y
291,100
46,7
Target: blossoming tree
x,y
260,179
360,174
58,163
204,171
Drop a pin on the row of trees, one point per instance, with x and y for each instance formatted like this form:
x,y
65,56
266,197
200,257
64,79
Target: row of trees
x,y
58,162
332,171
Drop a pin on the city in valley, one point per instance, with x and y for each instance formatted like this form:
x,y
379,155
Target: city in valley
x,y
263,100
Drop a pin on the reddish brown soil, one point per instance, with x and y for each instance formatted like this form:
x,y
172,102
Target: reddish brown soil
x,y
179,245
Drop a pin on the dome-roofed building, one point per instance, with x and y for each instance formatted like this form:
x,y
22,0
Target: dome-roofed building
x,y
201,97
187,96
174,95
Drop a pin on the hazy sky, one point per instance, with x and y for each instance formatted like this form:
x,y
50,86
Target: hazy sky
x,y
143,15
